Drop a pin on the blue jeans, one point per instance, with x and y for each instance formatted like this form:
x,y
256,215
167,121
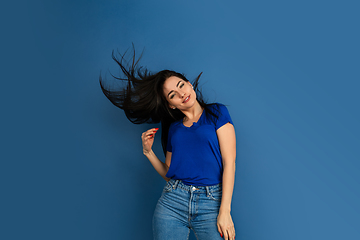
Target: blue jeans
x,y
182,207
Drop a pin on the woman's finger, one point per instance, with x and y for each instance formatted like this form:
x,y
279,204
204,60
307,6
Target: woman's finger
x,y
226,235
148,133
148,137
231,234
220,232
151,131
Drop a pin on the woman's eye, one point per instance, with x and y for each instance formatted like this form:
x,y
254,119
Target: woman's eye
x,y
181,85
172,96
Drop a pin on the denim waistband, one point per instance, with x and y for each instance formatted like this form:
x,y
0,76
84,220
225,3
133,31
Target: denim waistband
x,y
206,189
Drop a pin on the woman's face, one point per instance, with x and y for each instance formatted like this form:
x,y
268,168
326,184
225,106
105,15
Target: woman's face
x,y
179,93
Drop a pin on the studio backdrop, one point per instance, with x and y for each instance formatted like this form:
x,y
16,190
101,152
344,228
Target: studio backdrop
x,y
72,165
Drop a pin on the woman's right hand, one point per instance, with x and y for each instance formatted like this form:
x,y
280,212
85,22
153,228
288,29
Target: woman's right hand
x,y
148,139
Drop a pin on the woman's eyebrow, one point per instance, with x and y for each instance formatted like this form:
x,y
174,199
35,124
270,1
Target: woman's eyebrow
x,y
176,86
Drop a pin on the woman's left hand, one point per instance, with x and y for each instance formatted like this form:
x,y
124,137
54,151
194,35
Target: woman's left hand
x,y
225,225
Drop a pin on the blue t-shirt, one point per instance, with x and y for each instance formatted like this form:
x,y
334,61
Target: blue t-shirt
x,y
196,157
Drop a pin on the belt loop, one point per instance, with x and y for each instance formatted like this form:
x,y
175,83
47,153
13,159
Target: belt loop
x,y
207,191
175,184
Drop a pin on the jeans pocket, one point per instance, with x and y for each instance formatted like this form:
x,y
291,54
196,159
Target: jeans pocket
x,y
168,187
215,195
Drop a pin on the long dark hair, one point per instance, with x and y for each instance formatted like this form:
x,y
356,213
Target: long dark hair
x,y
142,98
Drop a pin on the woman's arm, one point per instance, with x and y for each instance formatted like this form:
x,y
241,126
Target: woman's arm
x,y
147,142
159,166
227,142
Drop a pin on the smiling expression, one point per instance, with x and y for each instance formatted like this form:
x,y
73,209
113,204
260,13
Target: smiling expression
x,y
179,93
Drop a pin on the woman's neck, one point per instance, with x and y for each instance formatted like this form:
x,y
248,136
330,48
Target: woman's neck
x,y
193,113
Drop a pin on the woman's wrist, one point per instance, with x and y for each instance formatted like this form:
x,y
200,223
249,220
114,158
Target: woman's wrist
x,y
147,152
225,209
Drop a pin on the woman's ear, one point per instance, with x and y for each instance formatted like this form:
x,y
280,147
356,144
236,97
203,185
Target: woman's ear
x,y
172,107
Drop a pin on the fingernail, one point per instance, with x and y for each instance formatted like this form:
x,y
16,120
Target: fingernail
x,y
220,234
151,135
156,129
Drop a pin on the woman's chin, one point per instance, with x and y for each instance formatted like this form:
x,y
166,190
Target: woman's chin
x,y
191,103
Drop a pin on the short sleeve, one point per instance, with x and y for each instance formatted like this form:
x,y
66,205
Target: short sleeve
x,y
224,117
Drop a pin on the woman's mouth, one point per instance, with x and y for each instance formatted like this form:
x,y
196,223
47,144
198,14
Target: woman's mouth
x,y
186,99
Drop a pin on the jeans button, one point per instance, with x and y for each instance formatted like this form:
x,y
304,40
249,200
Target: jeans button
x,y
193,188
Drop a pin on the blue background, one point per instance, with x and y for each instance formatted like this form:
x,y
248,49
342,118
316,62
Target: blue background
x,y
72,164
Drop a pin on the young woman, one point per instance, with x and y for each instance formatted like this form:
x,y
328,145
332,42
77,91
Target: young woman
x,y
198,140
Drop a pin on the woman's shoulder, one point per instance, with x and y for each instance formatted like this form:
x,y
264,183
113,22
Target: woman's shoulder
x,y
218,107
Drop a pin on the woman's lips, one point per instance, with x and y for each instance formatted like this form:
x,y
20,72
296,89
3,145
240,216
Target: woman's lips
x,y
186,99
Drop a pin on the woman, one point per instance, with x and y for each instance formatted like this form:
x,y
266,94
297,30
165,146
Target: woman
x,y
198,140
